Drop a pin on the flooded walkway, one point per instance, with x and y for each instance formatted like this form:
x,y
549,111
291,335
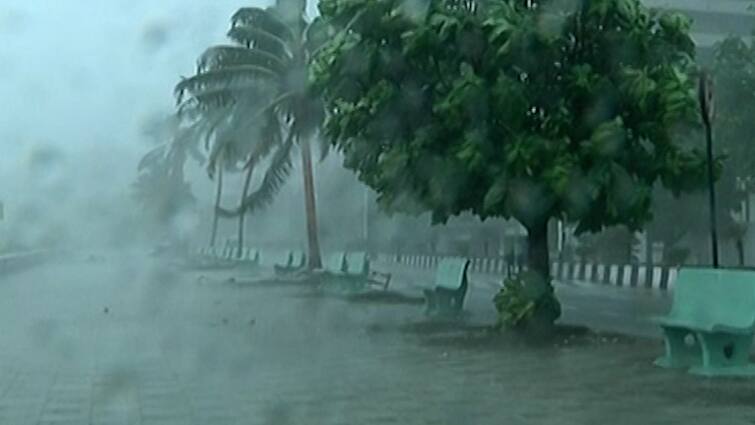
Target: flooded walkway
x,y
126,341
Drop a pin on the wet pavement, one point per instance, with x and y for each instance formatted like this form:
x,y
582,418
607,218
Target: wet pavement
x,y
604,307
128,341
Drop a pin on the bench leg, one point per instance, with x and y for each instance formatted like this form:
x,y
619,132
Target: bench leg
x,y
456,302
724,354
431,301
387,281
678,353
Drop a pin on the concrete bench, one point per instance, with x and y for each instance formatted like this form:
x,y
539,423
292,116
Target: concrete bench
x,y
446,298
342,272
710,327
277,259
293,262
358,268
298,259
252,256
335,263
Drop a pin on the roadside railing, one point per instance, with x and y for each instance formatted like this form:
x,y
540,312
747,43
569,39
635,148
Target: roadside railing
x,y
626,275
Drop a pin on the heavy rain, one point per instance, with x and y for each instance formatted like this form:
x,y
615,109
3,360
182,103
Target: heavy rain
x,y
280,212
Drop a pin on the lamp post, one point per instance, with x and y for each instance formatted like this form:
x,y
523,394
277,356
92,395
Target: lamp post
x,y
705,96
366,217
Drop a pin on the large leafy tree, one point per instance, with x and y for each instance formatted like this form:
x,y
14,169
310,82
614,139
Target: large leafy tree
x,y
266,71
524,109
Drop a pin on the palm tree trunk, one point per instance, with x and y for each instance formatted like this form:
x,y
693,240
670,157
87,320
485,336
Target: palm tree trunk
x,y
315,262
218,195
242,209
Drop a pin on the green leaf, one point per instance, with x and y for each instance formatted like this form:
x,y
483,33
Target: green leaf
x,y
496,195
608,139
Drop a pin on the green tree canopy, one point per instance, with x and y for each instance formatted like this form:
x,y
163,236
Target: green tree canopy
x,y
518,109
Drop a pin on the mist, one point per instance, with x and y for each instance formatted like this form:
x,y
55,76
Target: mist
x,y
328,212
81,79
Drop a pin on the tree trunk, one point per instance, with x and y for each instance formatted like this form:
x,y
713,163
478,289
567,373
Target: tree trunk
x,y
740,251
314,260
218,195
547,308
242,209
537,250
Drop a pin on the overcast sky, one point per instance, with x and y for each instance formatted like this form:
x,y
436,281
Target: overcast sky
x,y
86,72
81,75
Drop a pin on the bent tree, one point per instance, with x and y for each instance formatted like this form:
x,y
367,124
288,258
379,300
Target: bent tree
x,y
161,188
519,109
270,51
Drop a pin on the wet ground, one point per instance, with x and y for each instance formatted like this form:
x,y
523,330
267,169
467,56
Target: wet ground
x,y
127,341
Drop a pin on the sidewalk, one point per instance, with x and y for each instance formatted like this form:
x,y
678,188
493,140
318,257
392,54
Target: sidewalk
x,y
172,350
601,307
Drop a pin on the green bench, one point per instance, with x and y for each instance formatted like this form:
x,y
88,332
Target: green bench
x,y
358,267
338,273
252,256
294,262
278,259
249,257
710,327
335,263
299,259
446,298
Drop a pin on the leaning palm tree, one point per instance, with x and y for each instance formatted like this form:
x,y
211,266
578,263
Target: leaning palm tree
x,y
271,51
248,141
160,187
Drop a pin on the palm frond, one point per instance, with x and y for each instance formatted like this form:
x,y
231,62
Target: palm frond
x,y
222,57
253,37
269,137
275,176
192,149
262,19
223,78
222,97
187,138
193,107
226,213
151,158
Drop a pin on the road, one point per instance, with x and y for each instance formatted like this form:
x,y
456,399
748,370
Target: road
x,y
126,340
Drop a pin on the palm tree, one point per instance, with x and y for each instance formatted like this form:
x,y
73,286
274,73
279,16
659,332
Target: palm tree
x,y
252,143
160,187
266,70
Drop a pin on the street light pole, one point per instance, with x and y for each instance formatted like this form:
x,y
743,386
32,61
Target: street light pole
x,y
705,95
366,218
